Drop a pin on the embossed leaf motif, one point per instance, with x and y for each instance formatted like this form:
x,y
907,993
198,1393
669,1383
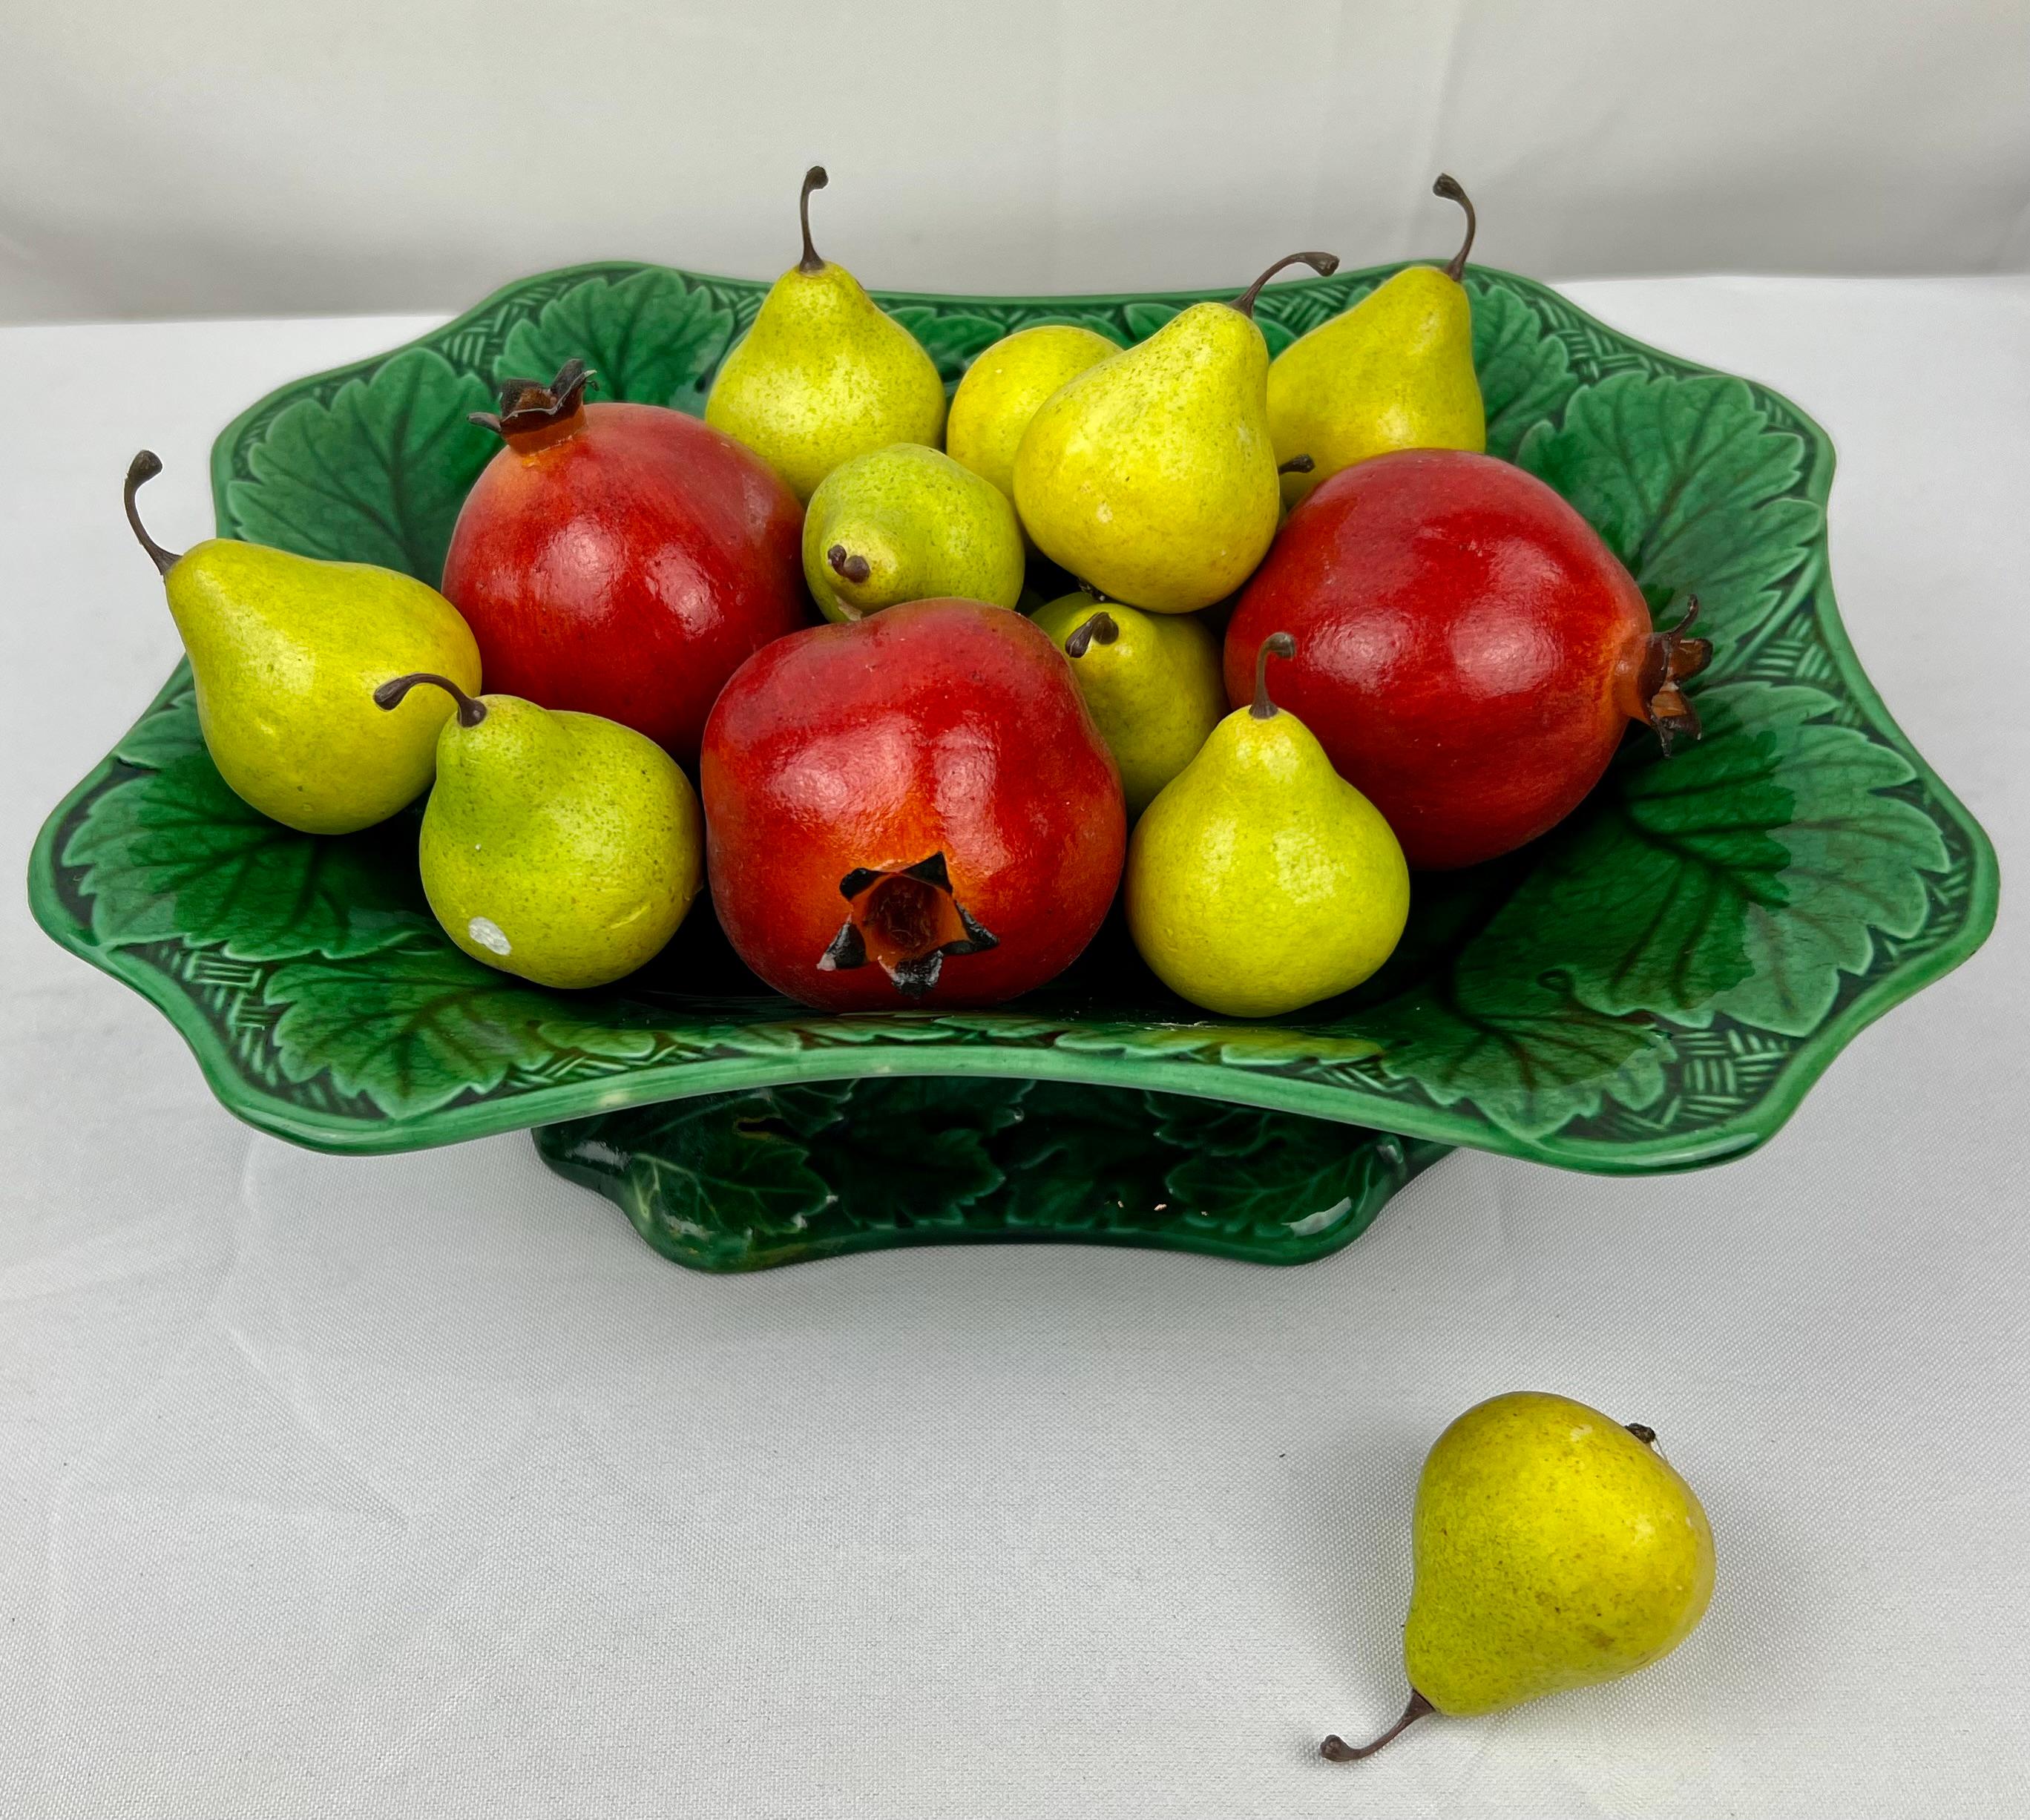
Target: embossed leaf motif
x,y
915,1152
1309,1176
175,853
1741,876
1526,375
651,339
167,732
419,1028
952,339
1686,480
715,1165
377,475
1083,1156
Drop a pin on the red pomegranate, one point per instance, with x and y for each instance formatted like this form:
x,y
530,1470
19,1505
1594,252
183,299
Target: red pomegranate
x,y
912,809
1469,652
621,560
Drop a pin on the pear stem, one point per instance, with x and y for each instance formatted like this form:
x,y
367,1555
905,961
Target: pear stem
x,y
846,567
1275,644
143,467
1337,1750
1324,264
1101,627
390,695
1448,187
814,179
1297,465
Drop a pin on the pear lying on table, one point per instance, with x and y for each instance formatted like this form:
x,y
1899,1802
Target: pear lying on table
x,y
1555,1548
563,848
285,652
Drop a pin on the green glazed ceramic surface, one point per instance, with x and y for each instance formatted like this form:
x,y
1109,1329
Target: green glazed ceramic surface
x,y
1655,985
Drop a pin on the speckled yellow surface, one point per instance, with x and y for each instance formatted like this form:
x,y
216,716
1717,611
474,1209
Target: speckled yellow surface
x,y
1258,881
1150,475
924,525
1006,387
286,652
823,375
1395,371
1553,1550
561,847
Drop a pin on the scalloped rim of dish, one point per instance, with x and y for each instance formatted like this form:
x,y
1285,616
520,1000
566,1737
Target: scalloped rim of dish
x,y
1214,1080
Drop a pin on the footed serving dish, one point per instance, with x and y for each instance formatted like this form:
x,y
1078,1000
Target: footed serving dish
x,y
1653,986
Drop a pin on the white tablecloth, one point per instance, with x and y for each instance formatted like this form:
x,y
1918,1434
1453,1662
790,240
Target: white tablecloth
x,y
418,1486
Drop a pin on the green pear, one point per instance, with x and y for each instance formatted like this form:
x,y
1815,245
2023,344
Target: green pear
x,y
285,652
1006,386
824,374
1554,1548
564,848
1151,475
909,523
1151,682
1259,881
1395,371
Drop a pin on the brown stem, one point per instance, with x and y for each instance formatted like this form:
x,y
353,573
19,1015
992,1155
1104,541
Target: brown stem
x,y
814,179
1337,1750
390,695
533,415
145,466
1101,626
1275,644
1324,264
1643,1432
1297,465
1671,660
848,568
1448,187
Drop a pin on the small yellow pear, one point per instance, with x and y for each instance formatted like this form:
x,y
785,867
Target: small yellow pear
x,y
285,652
909,523
824,373
1554,1547
1152,681
1150,475
1260,881
1395,371
1004,388
562,848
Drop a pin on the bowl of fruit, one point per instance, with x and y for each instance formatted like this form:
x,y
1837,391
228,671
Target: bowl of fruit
x,y
850,770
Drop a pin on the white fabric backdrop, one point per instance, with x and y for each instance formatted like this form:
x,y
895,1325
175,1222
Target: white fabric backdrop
x,y
239,157
332,1488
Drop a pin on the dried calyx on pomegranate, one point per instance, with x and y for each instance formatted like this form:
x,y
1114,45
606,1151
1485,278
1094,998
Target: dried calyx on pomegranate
x,y
1673,658
530,408
906,921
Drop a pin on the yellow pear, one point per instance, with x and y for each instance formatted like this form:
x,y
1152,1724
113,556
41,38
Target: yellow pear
x,y
563,848
1395,371
1151,475
825,373
285,652
1003,389
1260,881
1152,681
1554,1548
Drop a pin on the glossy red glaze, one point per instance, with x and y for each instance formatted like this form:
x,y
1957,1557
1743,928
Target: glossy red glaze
x,y
1469,652
940,726
627,569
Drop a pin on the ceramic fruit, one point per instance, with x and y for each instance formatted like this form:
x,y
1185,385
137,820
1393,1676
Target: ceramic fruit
x,y
1469,651
1004,387
1395,371
1152,681
915,808
285,652
562,848
1258,881
621,560
1554,1548
824,373
908,523
1150,476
